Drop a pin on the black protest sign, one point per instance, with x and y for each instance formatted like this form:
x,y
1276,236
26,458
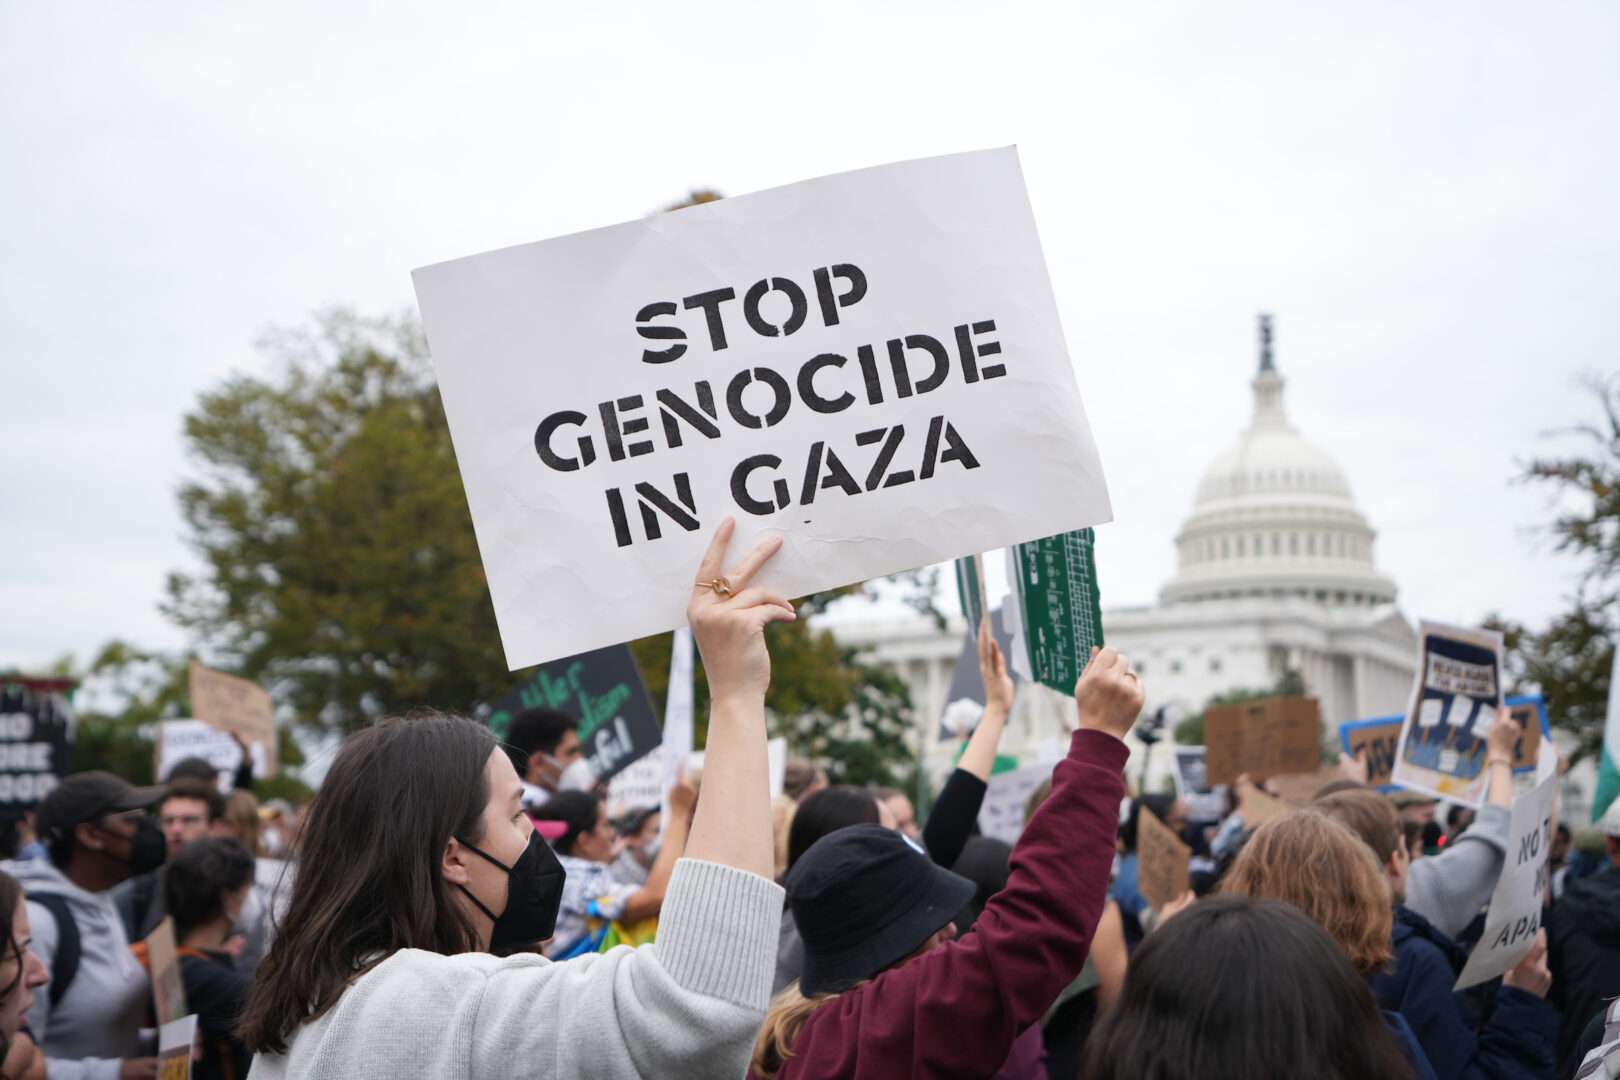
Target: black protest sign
x,y
36,730
603,690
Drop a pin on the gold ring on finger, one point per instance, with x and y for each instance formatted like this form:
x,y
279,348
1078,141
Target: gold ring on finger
x,y
720,585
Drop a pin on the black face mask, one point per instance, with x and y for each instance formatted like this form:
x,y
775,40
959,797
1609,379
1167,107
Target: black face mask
x,y
147,848
534,887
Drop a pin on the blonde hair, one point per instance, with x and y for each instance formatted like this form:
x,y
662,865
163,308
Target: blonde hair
x,y
782,810
786,1018
242,815
1323,869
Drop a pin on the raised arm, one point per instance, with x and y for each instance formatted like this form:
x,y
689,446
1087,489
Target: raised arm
x,y
1029,943
733,821
650,897
951,822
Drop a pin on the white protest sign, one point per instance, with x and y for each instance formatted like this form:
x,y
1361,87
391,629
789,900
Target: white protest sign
x,y
869,364
1514,916
1001,815
175,1040
181,739
1455,695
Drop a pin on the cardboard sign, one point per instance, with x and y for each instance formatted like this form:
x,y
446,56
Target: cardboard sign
x,y
1454,701
36,732
175,1041
1262,738
870,364
1162,860
970,591
601,689
1514,914
1257,808
163,960
233,704
1380,737
1059,607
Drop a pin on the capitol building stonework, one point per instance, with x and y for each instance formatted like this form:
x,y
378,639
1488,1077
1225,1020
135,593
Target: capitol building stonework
x,y
1276,571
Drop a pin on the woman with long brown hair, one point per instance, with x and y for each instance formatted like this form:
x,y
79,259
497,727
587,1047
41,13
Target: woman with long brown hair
x,y
21,973
418,859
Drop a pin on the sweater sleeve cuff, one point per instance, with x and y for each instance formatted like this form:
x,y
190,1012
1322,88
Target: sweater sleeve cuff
x,y
717,932
1091,747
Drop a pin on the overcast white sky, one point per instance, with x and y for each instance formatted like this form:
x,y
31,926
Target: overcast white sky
x,y
1424,194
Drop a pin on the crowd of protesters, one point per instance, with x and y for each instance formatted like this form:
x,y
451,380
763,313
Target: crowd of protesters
x,y
452,906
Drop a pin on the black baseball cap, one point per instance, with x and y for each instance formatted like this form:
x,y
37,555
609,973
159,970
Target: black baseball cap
x,y
864,897
86,796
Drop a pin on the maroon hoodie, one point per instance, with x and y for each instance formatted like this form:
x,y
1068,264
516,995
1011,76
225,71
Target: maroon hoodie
x,y
956,1009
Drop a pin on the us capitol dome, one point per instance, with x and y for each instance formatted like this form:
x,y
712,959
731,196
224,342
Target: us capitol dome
x,y
1275,573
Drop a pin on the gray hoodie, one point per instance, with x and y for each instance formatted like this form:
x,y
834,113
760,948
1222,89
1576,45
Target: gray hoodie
x,y
99,1020
1450,888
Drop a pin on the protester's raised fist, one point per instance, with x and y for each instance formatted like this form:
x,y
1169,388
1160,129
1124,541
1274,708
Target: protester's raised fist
x,y
682,798
1532,974
1503,736
728,619
1108,695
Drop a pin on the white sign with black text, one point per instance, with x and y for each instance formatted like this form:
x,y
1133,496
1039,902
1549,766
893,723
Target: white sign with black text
x,y
870,364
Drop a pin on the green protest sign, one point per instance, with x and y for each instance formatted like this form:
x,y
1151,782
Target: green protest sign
x,y
603,690
970,591
1059,605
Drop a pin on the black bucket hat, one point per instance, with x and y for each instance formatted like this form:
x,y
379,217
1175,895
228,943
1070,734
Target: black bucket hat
x,y
864,897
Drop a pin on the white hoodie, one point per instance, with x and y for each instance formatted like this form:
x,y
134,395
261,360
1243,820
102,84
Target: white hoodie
x,y
98,1022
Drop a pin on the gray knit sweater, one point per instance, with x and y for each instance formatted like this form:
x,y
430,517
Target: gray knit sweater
x,y
687,1006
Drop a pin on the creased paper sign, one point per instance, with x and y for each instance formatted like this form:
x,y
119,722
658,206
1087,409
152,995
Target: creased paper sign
x,y
239,705
1163,861
1514,914
870,364
1454,701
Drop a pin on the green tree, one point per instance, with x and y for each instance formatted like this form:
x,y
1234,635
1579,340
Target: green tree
x,y
339,563
1571,660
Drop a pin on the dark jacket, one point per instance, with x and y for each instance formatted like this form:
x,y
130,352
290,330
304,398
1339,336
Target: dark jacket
x,y
1517,1040
958,1008
216,992
1583,947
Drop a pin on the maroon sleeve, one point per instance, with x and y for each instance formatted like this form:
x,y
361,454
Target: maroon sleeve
x,y
956,1010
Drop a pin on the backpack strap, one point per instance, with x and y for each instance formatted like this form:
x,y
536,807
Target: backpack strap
x,y
65,961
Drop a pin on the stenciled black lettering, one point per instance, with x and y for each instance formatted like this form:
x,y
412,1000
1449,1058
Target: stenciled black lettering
x,y
553,460
739,485
756,293
701,419
885,455
956,449
710,303
807,387
779,388
830,303
615,426
659,309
